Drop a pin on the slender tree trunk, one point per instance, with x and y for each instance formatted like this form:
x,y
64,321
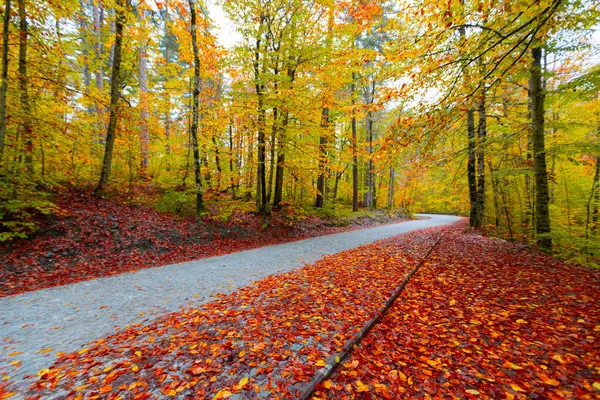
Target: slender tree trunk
x,y
481,163
368,198
231,161
115,94
280,167
596,197
471,165
274,133
195,96
392,184
4,76
26,129
322,158
217,162
143,78
354,150
98,16
471,158
542,214
84,48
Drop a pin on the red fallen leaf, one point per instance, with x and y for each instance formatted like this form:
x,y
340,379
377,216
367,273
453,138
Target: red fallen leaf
x,y
106,389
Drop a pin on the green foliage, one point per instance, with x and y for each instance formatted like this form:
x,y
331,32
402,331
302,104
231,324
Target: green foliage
x,y
178,202
20,209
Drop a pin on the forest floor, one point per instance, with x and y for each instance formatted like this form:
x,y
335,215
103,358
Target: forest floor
x,y
90,238
481,318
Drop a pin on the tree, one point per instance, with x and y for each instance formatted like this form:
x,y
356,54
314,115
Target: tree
x,y
195,99
115,95
542,198
4,76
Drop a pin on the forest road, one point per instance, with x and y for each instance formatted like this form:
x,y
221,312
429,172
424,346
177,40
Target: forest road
x,y
35,326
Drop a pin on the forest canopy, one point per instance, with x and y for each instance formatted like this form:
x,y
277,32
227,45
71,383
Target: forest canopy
x,y
486,108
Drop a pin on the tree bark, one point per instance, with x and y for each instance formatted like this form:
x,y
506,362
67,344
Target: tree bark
x,y
26,129
4,76
471,165
322,158
481,132
391,188
115,94
143,78
261,181
194,127
542,213
354,150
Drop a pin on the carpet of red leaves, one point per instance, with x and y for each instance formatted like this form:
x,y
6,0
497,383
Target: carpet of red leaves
x,y
482,318
91,238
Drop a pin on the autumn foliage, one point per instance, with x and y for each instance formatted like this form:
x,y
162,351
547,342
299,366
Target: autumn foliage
x,y
481,318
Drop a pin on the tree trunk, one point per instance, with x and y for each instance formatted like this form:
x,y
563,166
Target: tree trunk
x,y
481,131
4,77
274,133
354,151
261,178
471,165
231,161
217,162
143,78
322,158
115,94
368,199
280,168
542,214
392,182
26,129
195,96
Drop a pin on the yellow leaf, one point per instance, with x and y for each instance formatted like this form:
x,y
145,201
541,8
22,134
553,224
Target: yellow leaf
x,y
472,391
243,382
320,363
15,353
6,377
327,384
596,385
82,351
452,302
80,388
222,394
43,371
241,353
362,387
516,388
521,321
558,358
402,376
138,353
512,366
135,368
433,363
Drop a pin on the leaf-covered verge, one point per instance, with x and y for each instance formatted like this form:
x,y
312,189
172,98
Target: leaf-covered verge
x,y
262,341
482,318
90,238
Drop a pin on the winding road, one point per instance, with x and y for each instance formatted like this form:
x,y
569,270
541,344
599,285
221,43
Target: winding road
x,y
35,326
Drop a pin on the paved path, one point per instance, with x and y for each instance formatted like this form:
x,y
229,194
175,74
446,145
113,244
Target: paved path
x,y
65,318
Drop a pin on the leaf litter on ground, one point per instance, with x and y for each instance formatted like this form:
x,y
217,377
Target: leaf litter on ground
x,y
482,318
